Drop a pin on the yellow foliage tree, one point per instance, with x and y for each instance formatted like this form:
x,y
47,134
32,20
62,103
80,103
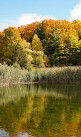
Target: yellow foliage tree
x,y
11,45
36,43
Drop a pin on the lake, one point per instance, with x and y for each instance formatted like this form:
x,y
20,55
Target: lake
x,y
40,110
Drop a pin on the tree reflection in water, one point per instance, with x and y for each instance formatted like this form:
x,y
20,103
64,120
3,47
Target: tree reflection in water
x,y
40,111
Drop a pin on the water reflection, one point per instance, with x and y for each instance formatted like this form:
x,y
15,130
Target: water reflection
x,y
40,111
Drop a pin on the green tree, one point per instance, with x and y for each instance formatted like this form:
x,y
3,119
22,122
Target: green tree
x,y
41,34
52,44
40,31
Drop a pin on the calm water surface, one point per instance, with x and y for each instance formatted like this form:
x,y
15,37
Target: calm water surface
x,y
40,111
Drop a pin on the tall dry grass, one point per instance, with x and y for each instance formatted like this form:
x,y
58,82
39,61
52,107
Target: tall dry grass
x,y
9,74
70,74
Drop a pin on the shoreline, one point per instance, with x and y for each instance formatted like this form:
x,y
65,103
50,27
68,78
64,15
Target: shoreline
x,y
29,83
17,83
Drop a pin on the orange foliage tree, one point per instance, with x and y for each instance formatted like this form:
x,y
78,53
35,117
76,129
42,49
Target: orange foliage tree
x,y
28,31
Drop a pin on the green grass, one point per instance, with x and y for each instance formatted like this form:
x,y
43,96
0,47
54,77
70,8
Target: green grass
x,y
12,75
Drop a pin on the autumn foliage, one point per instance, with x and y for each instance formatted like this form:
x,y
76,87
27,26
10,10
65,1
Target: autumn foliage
x,y
40,44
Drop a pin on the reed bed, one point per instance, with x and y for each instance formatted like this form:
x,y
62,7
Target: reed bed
x,y
70,74
12,75
59,75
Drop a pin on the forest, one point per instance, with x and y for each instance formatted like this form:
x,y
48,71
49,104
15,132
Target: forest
x,y
42,44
